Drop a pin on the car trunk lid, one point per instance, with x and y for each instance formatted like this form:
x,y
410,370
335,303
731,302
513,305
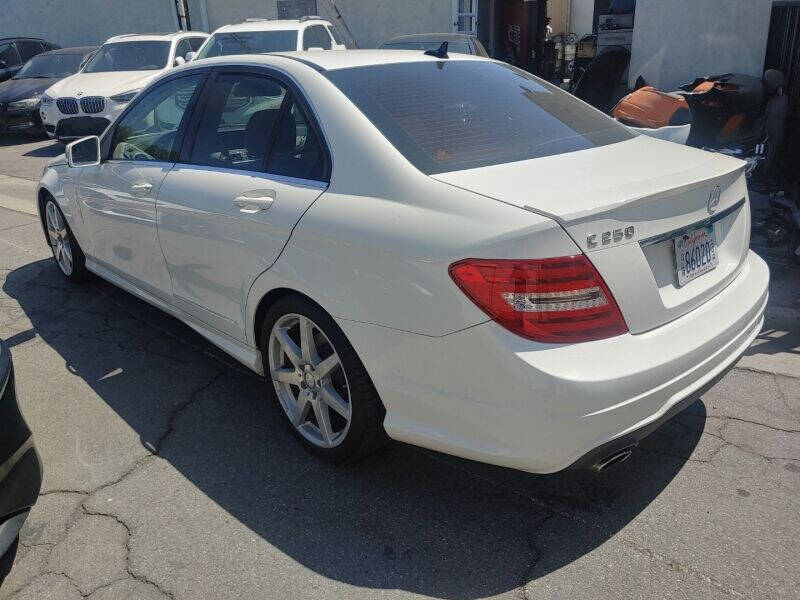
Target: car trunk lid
x,y
624,205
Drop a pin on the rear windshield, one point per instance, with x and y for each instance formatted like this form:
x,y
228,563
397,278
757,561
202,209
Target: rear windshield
x,y
249,42
459,47
453,115
129,56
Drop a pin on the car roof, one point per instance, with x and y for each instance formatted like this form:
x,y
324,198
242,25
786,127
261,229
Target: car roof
x,y
271,25
425,37
344,59
21,39
153,37
76,50
329,60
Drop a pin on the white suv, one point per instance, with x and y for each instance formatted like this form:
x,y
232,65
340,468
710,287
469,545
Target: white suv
x,y
258,36
85,103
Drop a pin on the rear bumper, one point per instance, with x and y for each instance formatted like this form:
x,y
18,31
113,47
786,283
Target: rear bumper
x,y
488,395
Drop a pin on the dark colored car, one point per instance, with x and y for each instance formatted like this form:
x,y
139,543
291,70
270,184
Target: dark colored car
x,y
20,96
462,43
16,51
20,468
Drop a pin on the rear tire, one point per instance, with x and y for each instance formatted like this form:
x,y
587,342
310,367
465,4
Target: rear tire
x,y
66,252
317,379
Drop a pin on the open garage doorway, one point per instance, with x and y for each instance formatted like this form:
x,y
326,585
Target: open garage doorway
x,y
510,30
783,53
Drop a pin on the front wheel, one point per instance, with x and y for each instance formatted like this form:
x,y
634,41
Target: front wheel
x,y
66,252
319,382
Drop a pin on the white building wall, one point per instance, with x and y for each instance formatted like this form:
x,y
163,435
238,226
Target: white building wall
x,y
84,22
370,21
675,41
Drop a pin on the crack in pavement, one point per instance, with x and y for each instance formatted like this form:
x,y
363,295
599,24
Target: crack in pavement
x,y
129,534
170,428
679,567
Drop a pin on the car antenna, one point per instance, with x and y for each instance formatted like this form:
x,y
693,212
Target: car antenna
x,y
440,52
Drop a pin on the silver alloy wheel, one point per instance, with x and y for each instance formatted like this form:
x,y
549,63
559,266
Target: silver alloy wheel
x,y
59,238
309,380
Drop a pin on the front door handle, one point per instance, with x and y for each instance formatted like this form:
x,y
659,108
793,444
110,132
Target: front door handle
x,y
256,201
141,189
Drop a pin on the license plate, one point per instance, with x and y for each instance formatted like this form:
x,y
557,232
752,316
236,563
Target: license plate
x,y
695,254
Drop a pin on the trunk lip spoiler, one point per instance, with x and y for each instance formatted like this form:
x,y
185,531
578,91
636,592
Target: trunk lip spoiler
x,y
662,237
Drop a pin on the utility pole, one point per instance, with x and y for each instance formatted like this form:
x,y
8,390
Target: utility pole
x,y
183,15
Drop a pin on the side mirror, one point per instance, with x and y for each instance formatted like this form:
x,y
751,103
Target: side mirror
x,y
179,60
84,152
190,56
3,64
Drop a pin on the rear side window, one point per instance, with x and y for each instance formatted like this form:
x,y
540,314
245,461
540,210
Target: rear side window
x,y
252,122
8,54
335,35
454,115
316,36
195,43
297,150
238,122
28,50
183,48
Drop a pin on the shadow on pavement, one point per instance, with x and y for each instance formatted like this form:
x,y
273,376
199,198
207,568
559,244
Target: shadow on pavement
x,y
15,139
50,151
406,519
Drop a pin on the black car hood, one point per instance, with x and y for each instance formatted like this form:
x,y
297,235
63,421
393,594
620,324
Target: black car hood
x,y
19,89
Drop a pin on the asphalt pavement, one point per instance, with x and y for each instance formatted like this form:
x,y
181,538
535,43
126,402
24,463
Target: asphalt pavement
x,y
169,475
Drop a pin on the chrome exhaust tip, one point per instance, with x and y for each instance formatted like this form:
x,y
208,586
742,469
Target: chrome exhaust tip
x,y
613,460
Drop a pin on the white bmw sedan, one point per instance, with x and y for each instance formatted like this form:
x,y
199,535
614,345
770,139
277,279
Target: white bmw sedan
x,y
445,251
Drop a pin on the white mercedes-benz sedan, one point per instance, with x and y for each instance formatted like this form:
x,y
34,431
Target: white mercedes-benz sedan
x,y
441,250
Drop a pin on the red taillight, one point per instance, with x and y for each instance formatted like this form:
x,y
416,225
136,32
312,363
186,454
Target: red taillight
x,y
554,300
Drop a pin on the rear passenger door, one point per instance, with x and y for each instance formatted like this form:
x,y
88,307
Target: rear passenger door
x,y
225,211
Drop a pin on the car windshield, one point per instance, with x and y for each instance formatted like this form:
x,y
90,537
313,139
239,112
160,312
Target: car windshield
x,y
454,115
459,47
248,42
129,56
46,66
